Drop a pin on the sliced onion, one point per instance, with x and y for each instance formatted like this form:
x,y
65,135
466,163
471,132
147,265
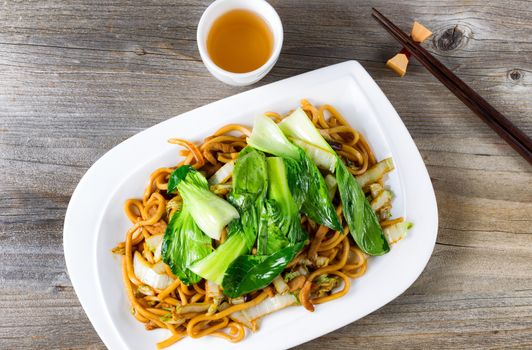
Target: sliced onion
x,y
223,174
397,232
158,252
198,307
322,261
155,244
303,270
375,173
144,289
375,189
242,318
159,268
280,285
269,305
213,290
154,241
384,198
150,274
236,301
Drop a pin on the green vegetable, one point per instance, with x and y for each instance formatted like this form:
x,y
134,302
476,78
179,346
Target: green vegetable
x,y
250,183
305,180
317,205
279,192
323,158
267,137
298,126
280,216
361,219
332,185
281,238
210,212
250,186
271,236
183,244
213,267
251,272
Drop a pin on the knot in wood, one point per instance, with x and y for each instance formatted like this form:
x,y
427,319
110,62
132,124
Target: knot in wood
x,y
450,39
515,74
139,51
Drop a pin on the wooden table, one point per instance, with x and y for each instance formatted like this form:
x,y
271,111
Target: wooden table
x,y
77,78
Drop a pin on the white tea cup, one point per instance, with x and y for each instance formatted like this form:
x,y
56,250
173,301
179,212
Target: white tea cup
x,y
262,9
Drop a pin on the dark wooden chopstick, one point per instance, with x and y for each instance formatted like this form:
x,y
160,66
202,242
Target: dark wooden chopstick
x,y
498,122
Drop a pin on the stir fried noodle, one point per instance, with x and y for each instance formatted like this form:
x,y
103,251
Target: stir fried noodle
x,y
321,272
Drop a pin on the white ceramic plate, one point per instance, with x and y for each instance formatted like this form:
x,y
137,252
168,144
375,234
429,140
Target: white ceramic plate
x,y
95,221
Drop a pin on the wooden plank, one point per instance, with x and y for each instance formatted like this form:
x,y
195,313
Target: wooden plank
x,y
77,78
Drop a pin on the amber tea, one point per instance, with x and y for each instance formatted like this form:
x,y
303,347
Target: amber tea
x,y
239,41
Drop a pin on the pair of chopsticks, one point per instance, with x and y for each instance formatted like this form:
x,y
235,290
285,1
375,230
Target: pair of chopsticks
x,y
498,122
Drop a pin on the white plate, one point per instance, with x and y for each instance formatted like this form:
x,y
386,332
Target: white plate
x,y
95,221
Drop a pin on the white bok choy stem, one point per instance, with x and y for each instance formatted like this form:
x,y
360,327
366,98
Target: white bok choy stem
x,y
298,126
210,212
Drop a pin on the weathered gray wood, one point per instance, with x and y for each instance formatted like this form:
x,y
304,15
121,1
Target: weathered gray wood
x,y
76,78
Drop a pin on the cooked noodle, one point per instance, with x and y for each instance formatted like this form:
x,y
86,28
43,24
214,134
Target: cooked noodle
x,y
330,254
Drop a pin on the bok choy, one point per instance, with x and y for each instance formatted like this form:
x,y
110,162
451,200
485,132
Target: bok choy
x,y
306,182
361,219
282,238
251,272
183,244
298,126
213,266
284,223
250,186
250,183
210,212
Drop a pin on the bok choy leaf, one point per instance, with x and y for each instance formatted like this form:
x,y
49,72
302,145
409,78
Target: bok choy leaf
x,y
306,182
317,205
267,137
251,272
298,126
210,212
183,244
213,266
250,183
280,217
283,239
361,219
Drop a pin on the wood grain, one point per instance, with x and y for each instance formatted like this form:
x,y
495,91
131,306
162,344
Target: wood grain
x,y
78,77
